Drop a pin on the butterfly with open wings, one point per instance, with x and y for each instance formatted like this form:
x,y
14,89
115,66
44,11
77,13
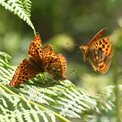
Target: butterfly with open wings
x,y
41,59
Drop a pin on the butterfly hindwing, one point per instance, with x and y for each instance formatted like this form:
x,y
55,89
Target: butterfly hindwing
x,y
48,56
47,51
55,64
57,68
103,49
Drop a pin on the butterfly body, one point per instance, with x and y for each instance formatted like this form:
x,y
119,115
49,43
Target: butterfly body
x,y
41,59
98,52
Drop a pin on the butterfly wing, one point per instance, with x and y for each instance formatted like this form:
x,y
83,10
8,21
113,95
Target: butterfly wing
x,y
48,56
104,67
97,36
54,64
100,53
85,48
48,51
103,47
57,68
35,49
25,71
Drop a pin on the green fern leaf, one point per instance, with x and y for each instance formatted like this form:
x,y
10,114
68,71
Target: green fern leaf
x,y
20,8
37,103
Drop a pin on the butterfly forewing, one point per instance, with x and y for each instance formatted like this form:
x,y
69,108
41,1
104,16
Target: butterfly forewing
x,y
35,48
48,50
97,36
25,71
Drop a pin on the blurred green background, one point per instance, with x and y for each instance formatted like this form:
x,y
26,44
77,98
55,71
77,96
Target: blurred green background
x,y
66,24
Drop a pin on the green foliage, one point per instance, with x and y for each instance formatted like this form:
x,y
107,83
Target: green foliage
x,y
32,102
63,101
20,8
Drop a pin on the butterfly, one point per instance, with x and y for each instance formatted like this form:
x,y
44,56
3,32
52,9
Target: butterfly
x,y
41,59
98,52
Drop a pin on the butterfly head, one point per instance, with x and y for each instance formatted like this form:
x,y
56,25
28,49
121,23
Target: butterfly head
x,y
84,50
57,73
59,76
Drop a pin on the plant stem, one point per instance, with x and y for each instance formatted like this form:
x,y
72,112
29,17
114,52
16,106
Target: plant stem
x,y
117,92
33,103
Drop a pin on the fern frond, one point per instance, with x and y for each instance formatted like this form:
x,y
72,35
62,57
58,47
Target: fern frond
x,y
20,8
108,96
27,6
36,103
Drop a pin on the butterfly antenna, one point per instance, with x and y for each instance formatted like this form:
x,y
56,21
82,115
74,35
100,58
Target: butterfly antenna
x,y
78,52
71,72
73,45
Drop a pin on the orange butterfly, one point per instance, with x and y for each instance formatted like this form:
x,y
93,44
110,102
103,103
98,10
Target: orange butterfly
x,y
41,59
98,52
